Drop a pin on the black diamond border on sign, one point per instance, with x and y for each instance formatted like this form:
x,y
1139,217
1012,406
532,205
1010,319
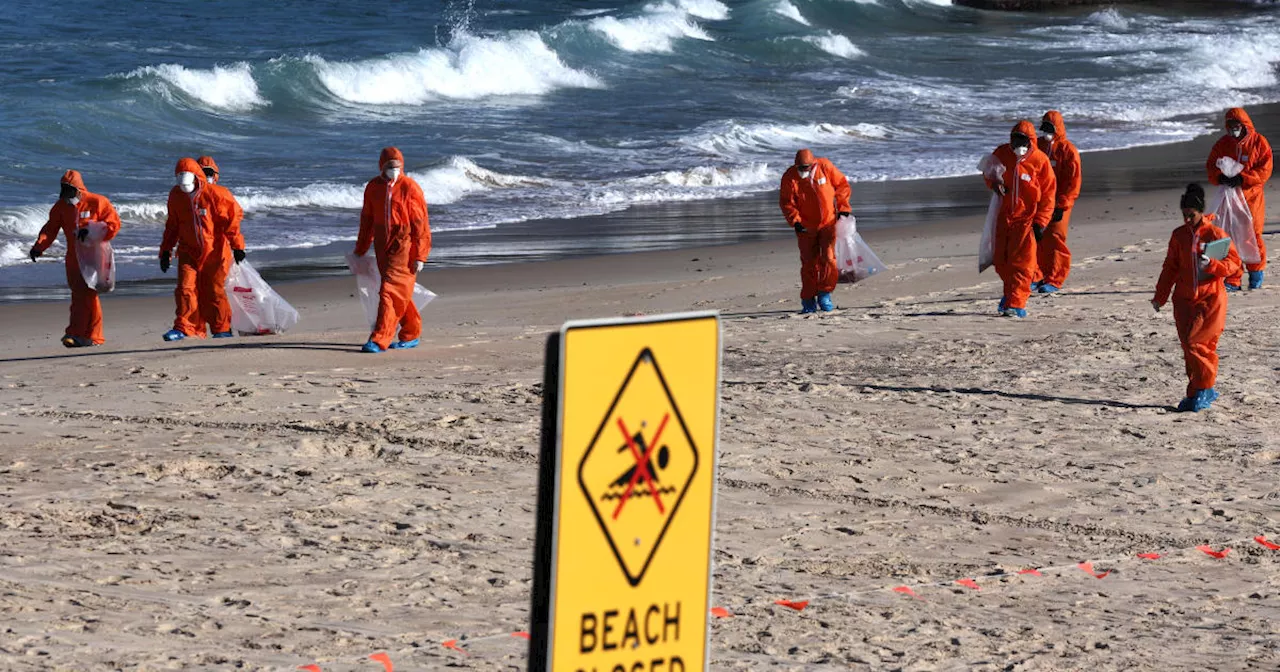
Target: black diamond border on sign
x,y
645,354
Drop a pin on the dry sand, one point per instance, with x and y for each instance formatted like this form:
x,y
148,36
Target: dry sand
x,y
271,502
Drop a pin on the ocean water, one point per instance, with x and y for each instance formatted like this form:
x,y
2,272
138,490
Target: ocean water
x,y
514,112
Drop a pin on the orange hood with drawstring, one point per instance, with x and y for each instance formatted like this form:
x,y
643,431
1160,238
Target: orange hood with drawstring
x,y
208,162
1030,182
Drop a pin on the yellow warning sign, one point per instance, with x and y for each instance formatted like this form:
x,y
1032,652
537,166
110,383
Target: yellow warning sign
x,y
626,497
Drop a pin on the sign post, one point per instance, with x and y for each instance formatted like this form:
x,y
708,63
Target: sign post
x,y
626,496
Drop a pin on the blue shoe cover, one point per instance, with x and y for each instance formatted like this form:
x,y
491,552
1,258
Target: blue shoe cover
x,y
825,302
404,345
1202,400
1004,303
808,306
371,347
174,335
222,334
1035,286
1019,313
1213,394
1046,288
1230,287
1255,279
1186,404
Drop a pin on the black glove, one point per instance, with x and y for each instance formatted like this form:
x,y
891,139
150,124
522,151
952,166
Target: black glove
x,y
1236,181
1057,215
35,254
164,262
1000,188
238,254
1038,231
799,228
844,213
82,234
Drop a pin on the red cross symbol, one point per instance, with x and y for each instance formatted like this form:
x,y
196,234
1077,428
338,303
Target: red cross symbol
x,y
642,466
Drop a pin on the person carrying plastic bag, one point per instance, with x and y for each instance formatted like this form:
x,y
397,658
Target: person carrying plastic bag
x,y
78,213
813,195
1027,190
394,223
1054,257
993,171
1199,297
854,257
256,309
1233,215
1247,147
203,222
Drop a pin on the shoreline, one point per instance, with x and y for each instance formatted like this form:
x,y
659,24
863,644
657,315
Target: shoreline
x,y
676,225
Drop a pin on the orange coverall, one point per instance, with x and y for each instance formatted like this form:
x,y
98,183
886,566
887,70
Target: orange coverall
x,y
1199,299
394,222
1254,152
1030,191
203,225
815,203
86,310
1064,158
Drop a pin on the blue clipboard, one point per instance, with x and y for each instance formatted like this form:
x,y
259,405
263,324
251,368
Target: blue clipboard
x,y
1217,249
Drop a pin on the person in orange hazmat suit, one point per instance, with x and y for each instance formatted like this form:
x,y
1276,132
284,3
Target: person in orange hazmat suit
x,y
1054,258
1245,144
394,223
1199,297
75,210
203,223
1027,193
813,195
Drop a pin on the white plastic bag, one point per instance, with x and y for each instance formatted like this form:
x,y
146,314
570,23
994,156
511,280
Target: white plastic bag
x,y
1234,215
369,281
993,170
97,259
854,257
256,308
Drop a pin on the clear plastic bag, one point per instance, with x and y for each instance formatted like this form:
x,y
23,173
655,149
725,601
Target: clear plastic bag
x,y
256,309
1234,215
854,257
993,170
369,281
97,259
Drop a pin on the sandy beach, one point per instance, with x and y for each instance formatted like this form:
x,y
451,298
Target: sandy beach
x,y
271,502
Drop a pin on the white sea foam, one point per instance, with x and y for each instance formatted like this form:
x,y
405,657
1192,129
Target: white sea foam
x,y
785,8
835,44
230,88
1110,18
470,67
731,138
12,253
660,25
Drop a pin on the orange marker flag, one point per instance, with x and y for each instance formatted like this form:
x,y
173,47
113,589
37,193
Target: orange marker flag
x,y
310,668
1149,556
969,583
1087,568
1266,544
906,590
798,606
522,634
383,658
1031,571
453,644
1212,553
721,612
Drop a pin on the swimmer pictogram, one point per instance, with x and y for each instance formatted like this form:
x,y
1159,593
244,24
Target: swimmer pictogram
x,y
638,467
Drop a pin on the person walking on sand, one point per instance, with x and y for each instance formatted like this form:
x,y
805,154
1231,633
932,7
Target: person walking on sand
x,y
73,214
203,222
814,194
1027,191
394,222
1246,145
1199,297
1053,256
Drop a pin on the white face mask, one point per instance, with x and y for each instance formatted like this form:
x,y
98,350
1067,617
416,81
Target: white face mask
x,y
804,174
1237,132
74,200
392,174
187,182
1021,151
1048,137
